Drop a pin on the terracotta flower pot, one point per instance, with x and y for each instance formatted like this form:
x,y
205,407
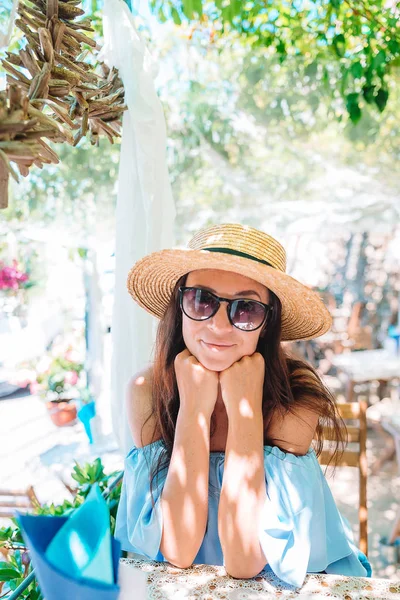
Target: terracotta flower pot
x,y
62,413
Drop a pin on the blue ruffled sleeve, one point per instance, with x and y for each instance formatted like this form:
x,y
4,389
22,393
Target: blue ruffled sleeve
x,y
301,529
139,518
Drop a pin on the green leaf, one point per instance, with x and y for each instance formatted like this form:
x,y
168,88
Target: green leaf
x,y
381,99
14,583
339,44
394,46
7,573
34,594
188,9
336,3
5,533
161,15
175,16
198,7
99,469
368,93
357,70
17,536
352,98
234,8
16,562
353,107
281,48
379,59
226,13
237,7
78,474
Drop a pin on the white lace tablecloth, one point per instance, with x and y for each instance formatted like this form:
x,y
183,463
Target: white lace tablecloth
x,y
211,583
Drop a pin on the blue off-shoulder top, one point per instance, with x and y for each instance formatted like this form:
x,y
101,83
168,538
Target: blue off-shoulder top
x,y
301,530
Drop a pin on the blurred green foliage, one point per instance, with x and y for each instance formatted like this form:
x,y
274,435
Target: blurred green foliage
x,y
361,36
257,101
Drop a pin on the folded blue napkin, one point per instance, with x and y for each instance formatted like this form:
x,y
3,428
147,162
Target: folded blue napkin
x,y
82,547
74,557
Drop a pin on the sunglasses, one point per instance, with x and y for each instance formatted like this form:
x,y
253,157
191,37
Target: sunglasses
x,y
200,305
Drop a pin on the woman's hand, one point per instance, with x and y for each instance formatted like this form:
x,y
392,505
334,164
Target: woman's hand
x,y
198,387
242,385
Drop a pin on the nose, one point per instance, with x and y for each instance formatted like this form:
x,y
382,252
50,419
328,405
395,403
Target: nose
x,y
220,321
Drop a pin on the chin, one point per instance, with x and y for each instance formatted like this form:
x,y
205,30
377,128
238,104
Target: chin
x,y
215,367
215,364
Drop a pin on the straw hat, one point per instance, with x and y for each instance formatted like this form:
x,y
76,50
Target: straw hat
x,y
239,249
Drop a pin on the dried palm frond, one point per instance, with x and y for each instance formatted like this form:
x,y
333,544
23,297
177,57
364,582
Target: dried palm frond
x,y
52,89
21,133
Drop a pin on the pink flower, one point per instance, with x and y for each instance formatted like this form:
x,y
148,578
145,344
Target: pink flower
x,y
71,377
72,355
11,278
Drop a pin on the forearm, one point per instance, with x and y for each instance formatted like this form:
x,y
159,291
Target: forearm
x,y
243,496
184,500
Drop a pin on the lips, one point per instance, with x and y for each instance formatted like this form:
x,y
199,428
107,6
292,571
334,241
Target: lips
x,y
217,346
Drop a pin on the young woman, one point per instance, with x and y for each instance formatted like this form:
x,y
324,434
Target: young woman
x,y
224,469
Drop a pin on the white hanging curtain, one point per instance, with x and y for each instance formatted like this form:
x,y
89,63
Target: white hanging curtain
x,y
145,208
8,11
95,341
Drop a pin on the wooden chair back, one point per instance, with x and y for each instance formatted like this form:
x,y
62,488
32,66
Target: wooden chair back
x,y
11,500
354,411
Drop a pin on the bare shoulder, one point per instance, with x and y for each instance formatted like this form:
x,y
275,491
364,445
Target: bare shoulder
x,y
294,431
139,407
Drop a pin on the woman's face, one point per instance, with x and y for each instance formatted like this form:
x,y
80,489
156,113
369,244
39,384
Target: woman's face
x,y
215,342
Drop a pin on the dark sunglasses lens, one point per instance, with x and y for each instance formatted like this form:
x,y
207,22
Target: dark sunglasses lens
x,y
198,304
247,314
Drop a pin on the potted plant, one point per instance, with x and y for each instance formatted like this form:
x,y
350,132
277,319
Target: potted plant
x,y
58,382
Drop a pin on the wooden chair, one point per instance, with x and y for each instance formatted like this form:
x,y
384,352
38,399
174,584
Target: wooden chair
x,y
11,500
354,458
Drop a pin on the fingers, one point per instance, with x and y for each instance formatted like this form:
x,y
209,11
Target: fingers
x,y
182,356
186,356
254,361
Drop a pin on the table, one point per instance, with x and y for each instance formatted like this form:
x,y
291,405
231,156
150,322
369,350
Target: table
x,y
208,582
367,365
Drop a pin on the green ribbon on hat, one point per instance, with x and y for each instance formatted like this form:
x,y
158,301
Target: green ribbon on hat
x,y
237,253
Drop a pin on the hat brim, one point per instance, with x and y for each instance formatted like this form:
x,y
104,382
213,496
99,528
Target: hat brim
x,y
152,279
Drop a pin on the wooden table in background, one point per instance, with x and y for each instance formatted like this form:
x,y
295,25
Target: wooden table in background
x,y
367,365
206,582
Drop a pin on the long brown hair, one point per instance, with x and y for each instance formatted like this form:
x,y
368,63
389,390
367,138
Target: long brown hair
x,y
289,383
